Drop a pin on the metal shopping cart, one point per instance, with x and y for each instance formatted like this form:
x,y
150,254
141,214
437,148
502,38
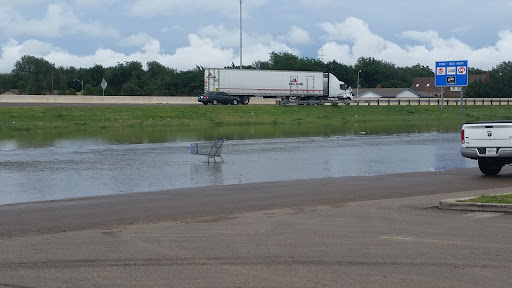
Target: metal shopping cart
x,y
209,149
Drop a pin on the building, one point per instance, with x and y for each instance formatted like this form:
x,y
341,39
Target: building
x,y
426,86
11,92
388,93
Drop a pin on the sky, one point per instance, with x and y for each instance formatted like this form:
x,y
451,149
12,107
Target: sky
x,y
183,34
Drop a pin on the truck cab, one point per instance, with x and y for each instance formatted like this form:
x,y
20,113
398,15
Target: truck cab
x,y
334,88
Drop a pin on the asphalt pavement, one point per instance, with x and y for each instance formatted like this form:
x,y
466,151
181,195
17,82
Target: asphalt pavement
x,y
377,231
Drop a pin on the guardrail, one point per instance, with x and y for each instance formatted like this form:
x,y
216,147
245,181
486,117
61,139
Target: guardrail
x,y
141,100
403,101
177,100
432,101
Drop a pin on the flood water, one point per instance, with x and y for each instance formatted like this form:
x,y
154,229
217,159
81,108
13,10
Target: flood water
x,y
87,167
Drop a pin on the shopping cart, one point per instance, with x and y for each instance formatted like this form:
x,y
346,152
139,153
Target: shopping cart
x,y
209,149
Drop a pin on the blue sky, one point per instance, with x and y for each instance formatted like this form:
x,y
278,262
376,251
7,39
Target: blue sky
x,y
184,33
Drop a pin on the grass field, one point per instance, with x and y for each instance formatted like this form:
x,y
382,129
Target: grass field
x,y
36,126
492,199
16,119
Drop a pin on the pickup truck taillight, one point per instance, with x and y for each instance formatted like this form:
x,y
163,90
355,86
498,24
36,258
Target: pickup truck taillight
x,y
462,136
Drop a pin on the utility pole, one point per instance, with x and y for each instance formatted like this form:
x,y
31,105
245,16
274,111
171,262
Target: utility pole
x,y
357,88
241,32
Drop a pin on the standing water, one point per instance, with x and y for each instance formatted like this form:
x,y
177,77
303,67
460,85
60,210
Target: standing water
x,y
81,168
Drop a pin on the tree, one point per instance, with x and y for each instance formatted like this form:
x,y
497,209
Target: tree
x,y
343,72
374,72
190,82
283,61
129,75
158,79
93,90
71,73
475,71
93,76
59,79
500,82
477,89
419,70
6,83
33,75
289,61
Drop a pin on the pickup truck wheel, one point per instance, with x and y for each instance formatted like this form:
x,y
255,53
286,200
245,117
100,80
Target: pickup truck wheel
x,y
214,102
235,102
489,167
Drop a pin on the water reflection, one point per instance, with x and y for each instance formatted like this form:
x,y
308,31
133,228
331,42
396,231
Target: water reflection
x,y
34,139
211,173
90,166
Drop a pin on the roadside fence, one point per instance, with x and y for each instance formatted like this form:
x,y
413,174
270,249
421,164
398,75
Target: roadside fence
x,y
432,101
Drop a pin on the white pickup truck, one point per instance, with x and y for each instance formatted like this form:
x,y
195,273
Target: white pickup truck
x,y
488,142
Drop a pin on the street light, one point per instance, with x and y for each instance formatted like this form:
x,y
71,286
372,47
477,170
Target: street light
x,y
357,87
240,32
81,82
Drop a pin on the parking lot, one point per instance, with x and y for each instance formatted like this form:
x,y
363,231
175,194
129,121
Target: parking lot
x,y
377,231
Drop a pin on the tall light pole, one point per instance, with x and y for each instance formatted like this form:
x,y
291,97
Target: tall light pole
x,y
240,32
357,87
81,82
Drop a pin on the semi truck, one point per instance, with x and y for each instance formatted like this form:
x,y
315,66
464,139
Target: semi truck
x,y
490,143
284,85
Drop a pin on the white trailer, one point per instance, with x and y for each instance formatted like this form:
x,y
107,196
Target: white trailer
x,y
285,85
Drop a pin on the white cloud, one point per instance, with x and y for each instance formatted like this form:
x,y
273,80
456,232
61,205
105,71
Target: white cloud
x,y
221,36
143,40
58,21
352,39
150,8
13,51
218,45
421,37
9,3
298,35
204,51
93,3
357,31
319,3
256,47
260,51
201,51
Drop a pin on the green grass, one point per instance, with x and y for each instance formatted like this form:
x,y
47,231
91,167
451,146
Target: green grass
x,y
23,119
495,199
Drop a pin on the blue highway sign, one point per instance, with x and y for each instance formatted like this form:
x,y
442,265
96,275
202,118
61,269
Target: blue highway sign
x,y
452,73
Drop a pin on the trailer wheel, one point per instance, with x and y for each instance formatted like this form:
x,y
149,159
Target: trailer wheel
x,y
244,100
489,167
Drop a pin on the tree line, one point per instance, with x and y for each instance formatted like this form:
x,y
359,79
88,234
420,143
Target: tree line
x,y
32,76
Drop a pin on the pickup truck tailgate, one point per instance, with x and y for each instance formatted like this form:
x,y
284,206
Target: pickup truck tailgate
x,y
488,142
488,134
